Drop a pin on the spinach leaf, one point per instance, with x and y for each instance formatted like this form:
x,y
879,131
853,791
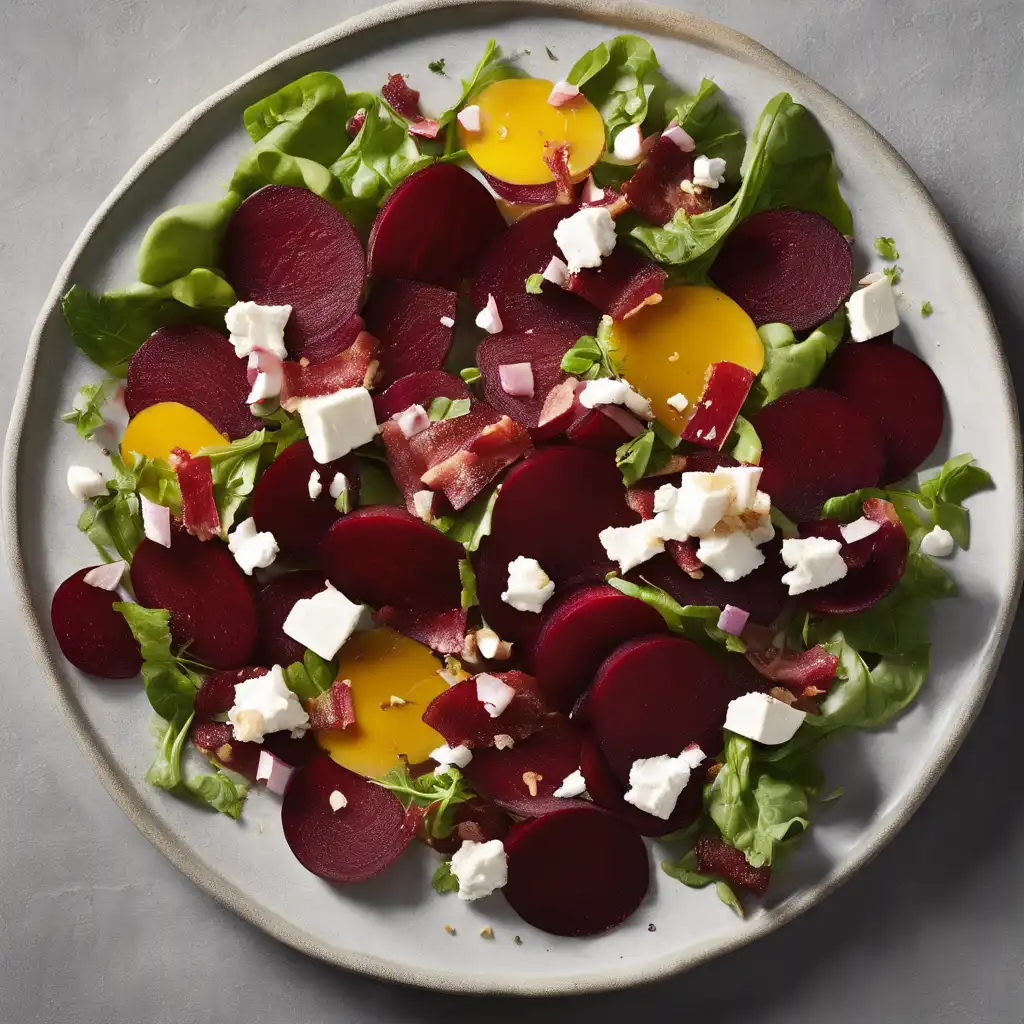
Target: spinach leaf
x,y
715,131
646,453
490,68
590,358
87,409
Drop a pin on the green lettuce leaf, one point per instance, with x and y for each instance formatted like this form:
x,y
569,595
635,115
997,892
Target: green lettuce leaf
x,y
743,443
289,429
590,357
646,453
715,131
470,374
473,523
234,468
438,794
443,881
468,579
447,409
87,410
310,677
376,487
886,248
685,870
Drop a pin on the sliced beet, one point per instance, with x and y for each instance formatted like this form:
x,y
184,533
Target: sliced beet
x,y
210,601
657,695
594,428
462,720
557,411
653,189
606,792
90,633
578,871
726,390
542,351
434,227
786,266
552,507
288,246
526,195
806,673
624,282
816,445
402,97
406,317
526,248
717,858
476,820
194,366
550,754
419,388
217,694
899,393
579,631
281,503
274,601
444,631
349,845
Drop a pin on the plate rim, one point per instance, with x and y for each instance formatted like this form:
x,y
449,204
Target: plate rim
x,y
640,17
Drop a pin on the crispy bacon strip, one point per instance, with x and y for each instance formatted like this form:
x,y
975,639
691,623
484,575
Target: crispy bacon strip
x,y
348,369
654,190
333,709
198,507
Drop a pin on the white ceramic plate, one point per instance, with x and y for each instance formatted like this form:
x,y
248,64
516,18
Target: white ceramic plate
x,y
392,926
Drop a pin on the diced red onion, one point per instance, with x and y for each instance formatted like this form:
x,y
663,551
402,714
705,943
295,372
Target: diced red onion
x,y
516,379
733,620
556,272
106,577
469,118
680,137
274,772
489,318
623,418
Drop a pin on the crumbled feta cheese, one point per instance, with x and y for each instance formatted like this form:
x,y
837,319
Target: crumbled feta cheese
x,y
572,785
556,272
480,868
628,145
253,326
251,548
423,503
338,485
323,622
607,391
859,529
314,486
335,424
491,646
656,782
502,741
489,318
85,483
586,237
763,532
263,705
744,481
708,172
872,311
469,118
632,545
732,556
495,694
412,421
763,718
678,401
447,321
680,137
694,508
448,757
815,561
529,586
337,800
938,543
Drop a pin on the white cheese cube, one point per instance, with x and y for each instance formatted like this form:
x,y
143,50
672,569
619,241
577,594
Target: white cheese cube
x,y
335,424
494,693
529,586
253,326
451,757
656,782
744,481
263,705
678,401
732,556
469,118
447,321
632,545
859,529
572,785
252,549
938,543
872,311
323,622
586,237
815,561
85,483
763,718
338,485
708,172
480,868
696,506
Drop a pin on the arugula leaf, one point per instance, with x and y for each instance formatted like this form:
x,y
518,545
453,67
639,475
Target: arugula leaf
x,y
790,365
109,328
438,794
473,523
715,131
470,374
535,284
447,409
310,677
646,453
743,443
87,410
443,881
289,429
926,308
886,248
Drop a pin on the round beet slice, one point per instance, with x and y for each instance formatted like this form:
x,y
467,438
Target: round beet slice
x,y
349,845
281,503
786,266
274,601
577,871
526,248
210,601
550,754
552,507
434,227
579,632
657,695
287,246
90,633
816,445
532,195
899,393
195,366
605,791
543,351
418,389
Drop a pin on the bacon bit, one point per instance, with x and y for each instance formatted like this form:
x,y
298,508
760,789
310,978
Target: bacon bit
x,y
660,185
781,693
530,780
450,930
557,159
714,770
198,505
356,122
502,741
726,389
487,932
403,99
797,671
333,709
427,128
350,368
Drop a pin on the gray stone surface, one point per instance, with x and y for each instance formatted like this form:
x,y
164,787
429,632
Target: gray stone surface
x,y
96,927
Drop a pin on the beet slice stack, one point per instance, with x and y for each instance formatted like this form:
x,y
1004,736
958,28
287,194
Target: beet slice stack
x,y
542,350
786,266
288,246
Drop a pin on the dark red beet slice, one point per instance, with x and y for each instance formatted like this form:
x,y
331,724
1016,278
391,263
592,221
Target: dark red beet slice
x,y
558,410
406,317
210,601
657,695
623,283
353,844
281,502
354,366
199,513
717,858
526,248
418,389
579,632
526,195
477,820
816,445
806,673
287,246
552,754
726,390
195,366
899,393
444,631
593,428
542,351
786,266
462,720
653,189
583,491
434,227
91,635
579,871
605,791
274,601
